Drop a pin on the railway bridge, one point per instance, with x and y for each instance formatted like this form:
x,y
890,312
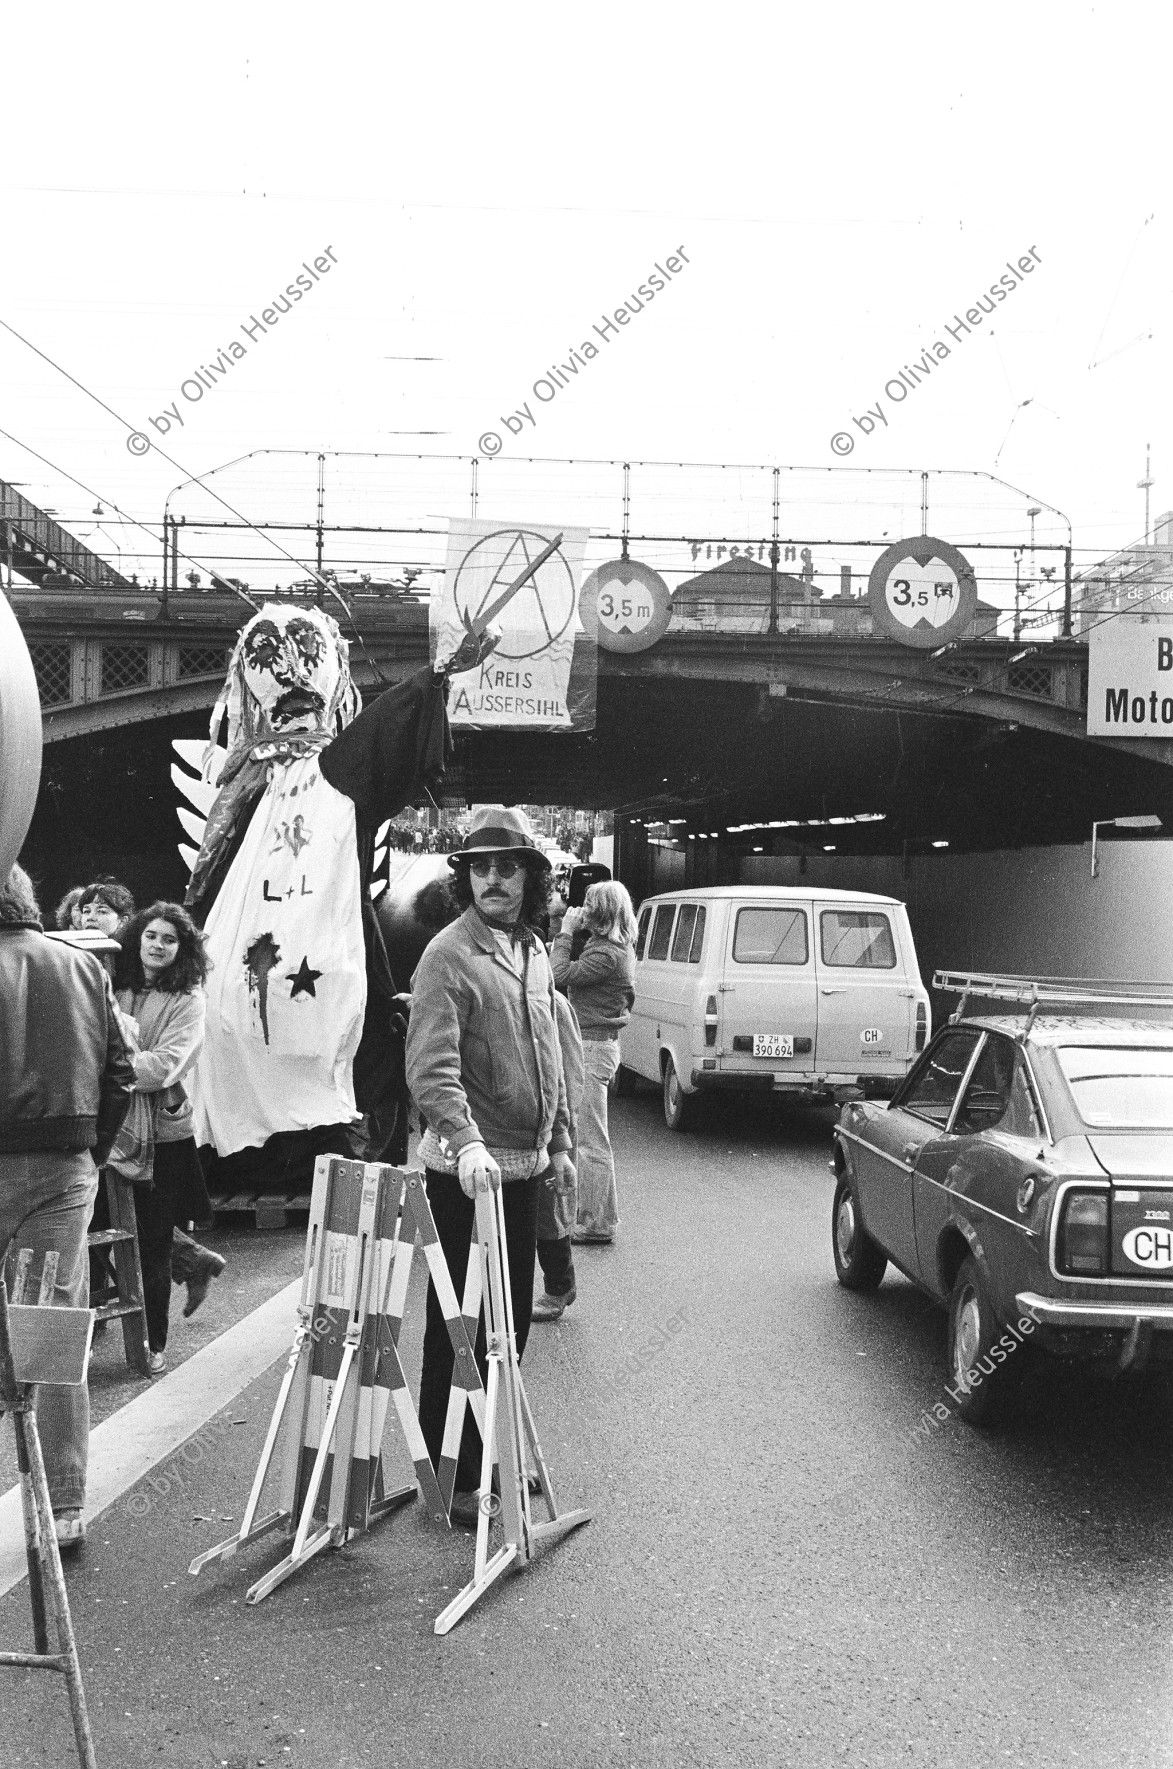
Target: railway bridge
x,y
713,743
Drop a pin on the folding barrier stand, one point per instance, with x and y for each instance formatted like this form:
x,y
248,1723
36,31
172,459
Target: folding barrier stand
x,y
509,1434
344,1370
43,1344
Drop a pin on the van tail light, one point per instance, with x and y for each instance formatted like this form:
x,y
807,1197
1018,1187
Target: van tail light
x,y
922,1024
1082,1245
711,1020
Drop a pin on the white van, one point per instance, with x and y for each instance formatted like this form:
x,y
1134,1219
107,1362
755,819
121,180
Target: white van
x,y
773,988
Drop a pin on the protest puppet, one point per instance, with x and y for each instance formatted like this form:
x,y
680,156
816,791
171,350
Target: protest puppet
x,y
304,1041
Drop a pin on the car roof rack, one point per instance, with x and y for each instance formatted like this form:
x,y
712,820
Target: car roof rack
x,y
1036,993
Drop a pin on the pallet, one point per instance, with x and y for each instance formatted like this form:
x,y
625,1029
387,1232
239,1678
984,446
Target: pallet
x,y
269,1209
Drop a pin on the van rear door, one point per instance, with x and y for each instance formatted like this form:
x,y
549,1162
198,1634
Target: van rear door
x,y
865,995
768,1004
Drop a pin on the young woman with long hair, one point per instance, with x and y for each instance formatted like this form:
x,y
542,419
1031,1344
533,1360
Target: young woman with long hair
x,y
601,985
159,986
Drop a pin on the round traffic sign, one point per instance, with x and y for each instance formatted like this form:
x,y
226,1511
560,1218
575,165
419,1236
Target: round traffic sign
x,y
626,605
922,592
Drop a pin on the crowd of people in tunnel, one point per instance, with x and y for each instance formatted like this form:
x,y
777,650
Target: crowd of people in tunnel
x,y
472,1083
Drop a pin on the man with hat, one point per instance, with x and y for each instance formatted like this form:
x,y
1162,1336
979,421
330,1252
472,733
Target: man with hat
x,y
484,1067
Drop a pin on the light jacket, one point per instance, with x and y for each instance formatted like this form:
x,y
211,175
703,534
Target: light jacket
x,y
65,1073
170,1035
483,1061
600,984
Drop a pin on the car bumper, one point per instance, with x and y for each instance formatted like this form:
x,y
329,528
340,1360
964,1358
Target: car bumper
x,y
1111,1335
1050,1311
816,1086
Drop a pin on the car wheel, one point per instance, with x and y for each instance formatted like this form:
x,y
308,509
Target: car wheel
x,y
859,1262
973,1330
678,1105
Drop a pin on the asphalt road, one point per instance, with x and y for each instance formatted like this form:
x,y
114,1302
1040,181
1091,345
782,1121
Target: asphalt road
x,y
782,1567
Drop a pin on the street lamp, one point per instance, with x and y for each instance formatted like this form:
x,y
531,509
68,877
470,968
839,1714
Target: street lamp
x,y
1119,823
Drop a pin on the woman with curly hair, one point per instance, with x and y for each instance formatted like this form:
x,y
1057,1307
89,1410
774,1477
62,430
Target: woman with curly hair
x,y
159,986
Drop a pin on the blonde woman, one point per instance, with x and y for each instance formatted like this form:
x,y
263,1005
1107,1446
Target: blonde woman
x,y
600,984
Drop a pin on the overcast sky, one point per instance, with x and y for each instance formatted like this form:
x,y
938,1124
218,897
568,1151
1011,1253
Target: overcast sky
x,y
493,180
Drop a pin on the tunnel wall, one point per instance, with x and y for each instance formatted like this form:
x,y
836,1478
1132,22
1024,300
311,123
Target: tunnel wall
x,y
1031,910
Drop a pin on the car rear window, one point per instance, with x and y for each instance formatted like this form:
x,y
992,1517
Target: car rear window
x,y
770,936
1118,1087
859,939
661,930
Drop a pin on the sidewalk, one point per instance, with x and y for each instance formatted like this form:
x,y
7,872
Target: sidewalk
x,y
324,1673
259,1264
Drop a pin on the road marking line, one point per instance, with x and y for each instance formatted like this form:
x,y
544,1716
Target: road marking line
x,y
147,1429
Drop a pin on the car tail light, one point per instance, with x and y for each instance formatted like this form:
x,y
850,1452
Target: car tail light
x,y
922,1024
711,1020
1083,1234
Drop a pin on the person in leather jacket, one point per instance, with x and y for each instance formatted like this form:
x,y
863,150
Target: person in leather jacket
x,y
65,1084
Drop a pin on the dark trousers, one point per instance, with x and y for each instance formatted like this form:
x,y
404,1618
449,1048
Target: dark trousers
x,y
555,1255
157,1209
455,1214
556,1259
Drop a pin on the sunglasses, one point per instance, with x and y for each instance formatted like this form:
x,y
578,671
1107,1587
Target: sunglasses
x,y
502,867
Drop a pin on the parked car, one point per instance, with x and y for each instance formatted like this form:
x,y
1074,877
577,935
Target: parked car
x,y
773,989
1022,1176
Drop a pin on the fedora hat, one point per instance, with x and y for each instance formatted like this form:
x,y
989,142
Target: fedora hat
x,y
499,829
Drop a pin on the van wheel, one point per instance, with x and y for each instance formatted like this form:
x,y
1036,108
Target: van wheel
x,y
679,1107
859,1262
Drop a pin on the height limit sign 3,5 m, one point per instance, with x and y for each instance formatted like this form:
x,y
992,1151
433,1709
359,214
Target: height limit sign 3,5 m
x,y
1130,677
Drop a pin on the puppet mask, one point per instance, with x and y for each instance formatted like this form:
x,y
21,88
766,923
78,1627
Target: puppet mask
x,y
294,668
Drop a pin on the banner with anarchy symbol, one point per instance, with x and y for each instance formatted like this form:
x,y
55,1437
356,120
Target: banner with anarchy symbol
x,y
543,673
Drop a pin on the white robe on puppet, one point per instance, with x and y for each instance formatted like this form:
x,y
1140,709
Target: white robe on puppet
x,y
287,988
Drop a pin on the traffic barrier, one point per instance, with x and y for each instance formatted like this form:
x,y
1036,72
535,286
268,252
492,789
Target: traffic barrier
x,y
344,1375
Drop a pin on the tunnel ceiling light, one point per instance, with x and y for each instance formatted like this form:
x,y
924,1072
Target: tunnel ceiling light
x,y
940,844
828,847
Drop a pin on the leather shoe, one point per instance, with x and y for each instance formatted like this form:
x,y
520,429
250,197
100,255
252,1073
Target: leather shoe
x,y
466,1508
551,1308
206,1266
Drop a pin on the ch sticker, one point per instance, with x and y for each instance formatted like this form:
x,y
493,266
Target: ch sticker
x,y
871,1035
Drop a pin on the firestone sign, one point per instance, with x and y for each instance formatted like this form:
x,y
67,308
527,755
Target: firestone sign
x,y
1130,677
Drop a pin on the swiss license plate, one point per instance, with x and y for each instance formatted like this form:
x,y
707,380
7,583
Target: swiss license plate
x,y
773,1044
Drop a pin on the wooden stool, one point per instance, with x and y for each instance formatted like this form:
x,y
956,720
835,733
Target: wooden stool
x,y
124,1298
